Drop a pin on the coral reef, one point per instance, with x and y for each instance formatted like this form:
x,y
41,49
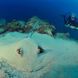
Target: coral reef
x,y
14,25
38,25
34,24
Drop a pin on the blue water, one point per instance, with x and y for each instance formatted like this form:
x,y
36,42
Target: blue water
x,y
50,10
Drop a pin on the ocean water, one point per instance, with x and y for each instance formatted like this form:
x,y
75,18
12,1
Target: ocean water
x,y
50,10
65,61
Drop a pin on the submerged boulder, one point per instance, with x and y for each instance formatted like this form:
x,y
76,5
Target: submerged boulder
x,y
32,25
38,25
13,25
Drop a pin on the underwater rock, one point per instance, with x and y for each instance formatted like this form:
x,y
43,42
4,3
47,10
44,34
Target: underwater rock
x,y
13,25
34,24
21,22
38,25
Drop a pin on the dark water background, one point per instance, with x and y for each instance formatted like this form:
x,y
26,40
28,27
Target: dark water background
x,y
50,10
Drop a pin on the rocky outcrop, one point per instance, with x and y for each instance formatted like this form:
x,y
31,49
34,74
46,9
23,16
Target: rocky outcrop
x,y
41,26
33,24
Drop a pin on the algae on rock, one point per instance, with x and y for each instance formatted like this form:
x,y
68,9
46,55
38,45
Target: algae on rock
x,y
34,24
38,25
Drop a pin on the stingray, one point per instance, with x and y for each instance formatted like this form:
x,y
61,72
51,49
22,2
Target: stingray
x,y
38,56
20,54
